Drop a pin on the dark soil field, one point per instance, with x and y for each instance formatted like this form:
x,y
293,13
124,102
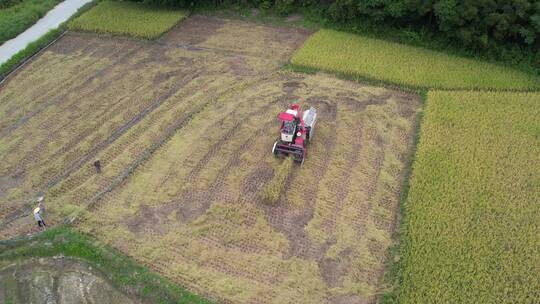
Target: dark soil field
x,y
184,127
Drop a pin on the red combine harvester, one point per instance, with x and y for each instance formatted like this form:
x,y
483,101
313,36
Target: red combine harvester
x,y
295,132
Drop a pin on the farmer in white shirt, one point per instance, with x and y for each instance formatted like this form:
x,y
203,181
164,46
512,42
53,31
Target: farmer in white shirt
x,y
39,219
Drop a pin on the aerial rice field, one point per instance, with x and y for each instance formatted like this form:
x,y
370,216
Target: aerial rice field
x,y
472,213
128,18
183,127
383,61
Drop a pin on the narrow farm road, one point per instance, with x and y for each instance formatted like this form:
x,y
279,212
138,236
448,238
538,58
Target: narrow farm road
x,y
51,20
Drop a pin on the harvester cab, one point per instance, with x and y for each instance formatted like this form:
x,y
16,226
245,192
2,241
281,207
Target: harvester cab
x,y
296,130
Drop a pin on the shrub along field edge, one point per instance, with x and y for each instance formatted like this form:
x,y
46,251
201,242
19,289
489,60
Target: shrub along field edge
x,y
125,274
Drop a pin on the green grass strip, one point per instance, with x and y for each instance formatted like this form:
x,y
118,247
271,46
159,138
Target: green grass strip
x,y
128,18
123,271
29,50
404,65
34,47
472,214
17,18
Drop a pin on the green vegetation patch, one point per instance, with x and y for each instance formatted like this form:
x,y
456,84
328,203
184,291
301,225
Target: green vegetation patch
x,y
472,213
123,271
28,51
390,62
128,18
17,16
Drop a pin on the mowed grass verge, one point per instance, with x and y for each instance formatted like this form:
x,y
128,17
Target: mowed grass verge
x,y
403,65
472,212
16,18
128,18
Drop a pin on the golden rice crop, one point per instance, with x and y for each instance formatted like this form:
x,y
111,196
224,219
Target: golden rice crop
x,y
271,191
472,213
128,18
400,64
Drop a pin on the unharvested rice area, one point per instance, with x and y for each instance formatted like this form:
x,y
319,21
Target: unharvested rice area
x,y
128,18
184,127
362,57
472,213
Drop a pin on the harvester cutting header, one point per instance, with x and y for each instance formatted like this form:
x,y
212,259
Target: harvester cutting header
x,y
296,131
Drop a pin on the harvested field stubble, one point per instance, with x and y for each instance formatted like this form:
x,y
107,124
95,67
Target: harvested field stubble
x,y
220,238
184,128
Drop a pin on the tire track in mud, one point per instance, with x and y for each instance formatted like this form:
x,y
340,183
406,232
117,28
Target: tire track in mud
x,y
115,135
123,129
44,125
187,212
14,110
164,270
377,163
333,270
220,266
198,168
209,196
343,190
291,222
250,196
194,173
169,132
55,100
146,126
70,145
163,129
109,115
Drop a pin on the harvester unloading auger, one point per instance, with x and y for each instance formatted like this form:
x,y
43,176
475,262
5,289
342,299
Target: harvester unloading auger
x,y
295,132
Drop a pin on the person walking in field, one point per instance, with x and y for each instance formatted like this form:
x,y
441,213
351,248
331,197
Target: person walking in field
x,y
38,214
97,165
